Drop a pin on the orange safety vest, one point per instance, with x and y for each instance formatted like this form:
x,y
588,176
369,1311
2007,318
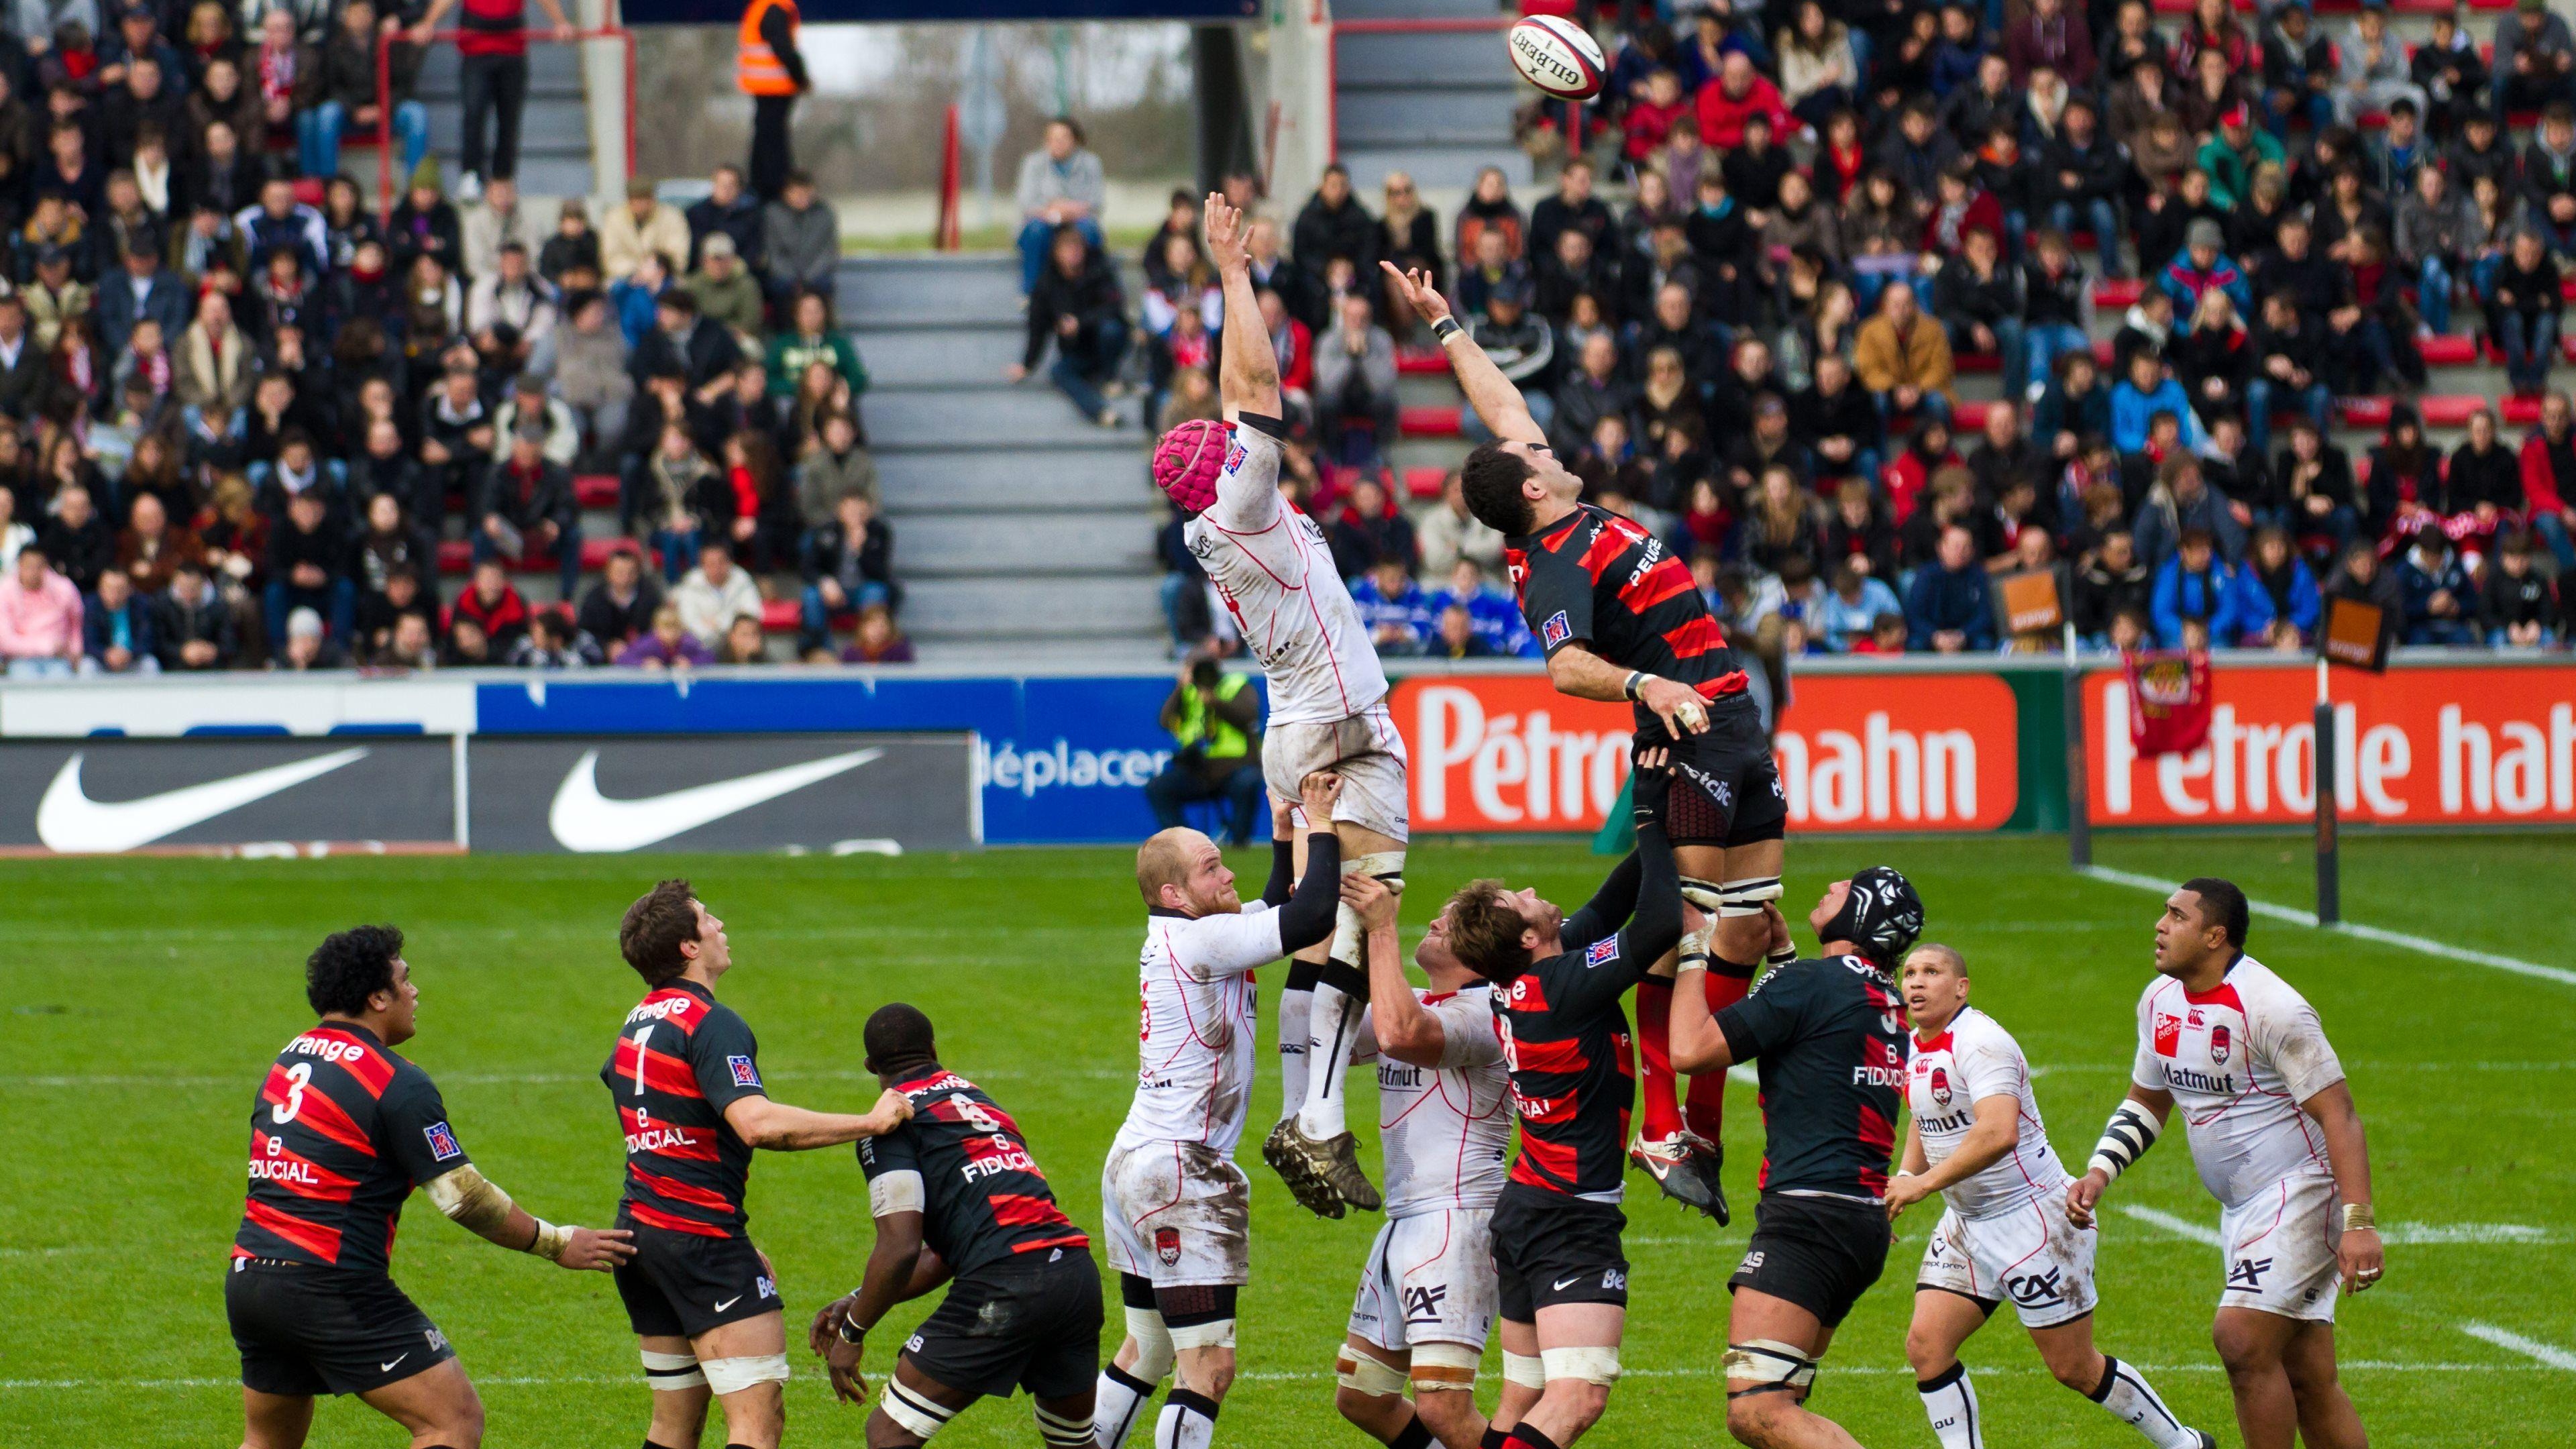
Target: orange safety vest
x,y
756,67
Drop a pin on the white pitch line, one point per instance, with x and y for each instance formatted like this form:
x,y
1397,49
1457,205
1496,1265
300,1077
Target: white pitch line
x,y
2548,1354
2424,944
2178,1226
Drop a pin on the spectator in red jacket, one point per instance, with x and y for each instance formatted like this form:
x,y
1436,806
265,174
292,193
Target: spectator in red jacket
x,y
1739,91
2549,478
2053,35
1650,121
492,604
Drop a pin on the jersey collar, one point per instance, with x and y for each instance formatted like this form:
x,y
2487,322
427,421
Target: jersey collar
x,y
1543,536
343,1024
2222,992
683,983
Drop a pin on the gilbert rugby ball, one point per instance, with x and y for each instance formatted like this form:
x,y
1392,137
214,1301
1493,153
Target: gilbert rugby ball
x,y
1555,55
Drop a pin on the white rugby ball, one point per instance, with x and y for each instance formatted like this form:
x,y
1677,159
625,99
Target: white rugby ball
x,y
1557,56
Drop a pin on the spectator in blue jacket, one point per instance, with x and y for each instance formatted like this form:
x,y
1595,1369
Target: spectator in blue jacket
x,y
2441,599
1496,617
1852,607
2145,392
2192,588
116,629
1398,613
1950,607
140,291
2273,601
2200,265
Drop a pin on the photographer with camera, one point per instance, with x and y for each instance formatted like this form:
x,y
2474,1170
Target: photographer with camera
x,y
1216,717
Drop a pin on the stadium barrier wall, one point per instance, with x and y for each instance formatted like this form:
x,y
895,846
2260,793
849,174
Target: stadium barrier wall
x,y
1916,744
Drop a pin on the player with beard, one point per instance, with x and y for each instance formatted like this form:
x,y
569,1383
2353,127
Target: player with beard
x,y
1621,619
1274,569
1829,1037
1177,1211
1976,1139
1561,1274
2277,1141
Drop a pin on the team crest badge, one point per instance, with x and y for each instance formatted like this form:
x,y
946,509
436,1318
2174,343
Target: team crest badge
x,y
2219,1041
1940,1087
1556,630
744,1073
1600,951
442,1142
1167,1246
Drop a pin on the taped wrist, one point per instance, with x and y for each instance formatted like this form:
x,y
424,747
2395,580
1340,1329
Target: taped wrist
x,y
469,1200
551,1241
1709,899
2125,1138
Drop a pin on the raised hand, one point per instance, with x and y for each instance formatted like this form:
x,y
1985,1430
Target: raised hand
x,y
1418,293
1225,233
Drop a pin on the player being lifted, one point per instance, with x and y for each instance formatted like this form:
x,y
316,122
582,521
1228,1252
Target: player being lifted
x,y
1977,1140
685,1075
1274,569
1829,1034
2278,1143
1177,1209
341,1131
1620,618
958,1199
1561,1273
1426,1297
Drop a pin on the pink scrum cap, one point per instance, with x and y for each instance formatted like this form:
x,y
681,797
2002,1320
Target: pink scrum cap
x,y
1187,461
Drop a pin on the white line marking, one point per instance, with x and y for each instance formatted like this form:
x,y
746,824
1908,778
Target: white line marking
x,y
2408,1235
1746,1075
2550,1355
2178,1226
2296,917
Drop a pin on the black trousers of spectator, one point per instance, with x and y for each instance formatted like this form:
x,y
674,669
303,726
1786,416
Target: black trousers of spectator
x,y
1357,405
496,93
1184,783
773,148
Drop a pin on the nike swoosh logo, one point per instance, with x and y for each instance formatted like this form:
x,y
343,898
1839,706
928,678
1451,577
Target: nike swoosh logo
x,y
585,820
728,1303
1559,1285
68,820
388,1367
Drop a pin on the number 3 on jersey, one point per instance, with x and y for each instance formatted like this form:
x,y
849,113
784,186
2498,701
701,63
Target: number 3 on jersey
x,y
298,1077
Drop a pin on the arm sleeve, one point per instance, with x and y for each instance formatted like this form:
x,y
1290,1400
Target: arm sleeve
x,y
1247,489
1609,907
417,1136
1770,1017
1308,917
2293,1040
1283,873
726,1059
1214,947
1557,602
1657,925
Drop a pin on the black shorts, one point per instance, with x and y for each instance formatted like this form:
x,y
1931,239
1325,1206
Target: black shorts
x,y
1820,1253
1726,785
1016,1325
679,1285
1551,1249
305,1331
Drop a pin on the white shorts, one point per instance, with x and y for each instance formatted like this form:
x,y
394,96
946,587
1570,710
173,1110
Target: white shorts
x,y
2280,1250
1429,1279
1179,1213
2029,1256
1364,750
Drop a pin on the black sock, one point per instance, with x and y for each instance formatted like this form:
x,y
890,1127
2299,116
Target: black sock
x,y
1414,1435
1494,1438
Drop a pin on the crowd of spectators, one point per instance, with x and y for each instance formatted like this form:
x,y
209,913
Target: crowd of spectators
x,y
247,419
1781,232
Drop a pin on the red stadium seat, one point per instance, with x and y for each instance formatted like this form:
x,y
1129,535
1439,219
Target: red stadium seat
x,y
1425,482
456,556
782,616
1977,362
1969,417
1421,362
1564,8
595,490
1429,422
2121,292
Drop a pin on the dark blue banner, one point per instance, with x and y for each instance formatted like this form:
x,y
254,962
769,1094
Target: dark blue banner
x,y
818,12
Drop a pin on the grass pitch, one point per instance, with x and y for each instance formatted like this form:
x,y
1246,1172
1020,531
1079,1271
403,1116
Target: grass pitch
x,y
146,996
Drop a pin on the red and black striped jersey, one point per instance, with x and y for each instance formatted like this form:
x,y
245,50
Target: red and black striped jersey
x,y
1597,579
1565,1041
981,1196
341,1133
1828,1040
682,1058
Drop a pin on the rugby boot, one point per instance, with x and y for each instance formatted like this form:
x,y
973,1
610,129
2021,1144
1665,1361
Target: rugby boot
x,y
1336,1162
1685,1166
1311,1191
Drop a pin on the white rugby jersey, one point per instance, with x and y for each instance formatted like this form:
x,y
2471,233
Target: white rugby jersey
x,y
1273,568
1972,1059
1447,1129
1195,1049
2239,1059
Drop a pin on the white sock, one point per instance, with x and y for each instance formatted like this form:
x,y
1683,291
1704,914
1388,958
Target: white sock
x,y
1951,1403
1117,1402
1188,1421
1295,1008
2128,1396
1333,1031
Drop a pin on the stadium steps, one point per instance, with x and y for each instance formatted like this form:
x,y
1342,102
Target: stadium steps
x,y
1016,519
554,133
1436,105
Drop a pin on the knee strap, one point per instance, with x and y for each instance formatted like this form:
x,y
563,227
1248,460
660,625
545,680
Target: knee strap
x,y
1443,1367
1365,1373
1215,1333
1387,866
733,1375
1059,1431
1708,899
1769,1366
1154,1352
1746,897
1593,1365
665,1372
1526,1370
918,1415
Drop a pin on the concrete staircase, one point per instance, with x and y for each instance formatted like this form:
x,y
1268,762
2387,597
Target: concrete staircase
x,y
554,130
1017,521
1437,105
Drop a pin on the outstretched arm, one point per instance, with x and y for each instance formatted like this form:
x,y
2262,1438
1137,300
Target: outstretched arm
x,y
1489,392
470,1200
777,1127
1247,368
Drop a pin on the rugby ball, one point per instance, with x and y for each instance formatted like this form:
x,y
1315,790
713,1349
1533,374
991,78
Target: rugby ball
x,y
1557,56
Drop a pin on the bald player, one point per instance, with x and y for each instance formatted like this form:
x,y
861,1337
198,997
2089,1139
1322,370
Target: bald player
x,y
1177,1209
